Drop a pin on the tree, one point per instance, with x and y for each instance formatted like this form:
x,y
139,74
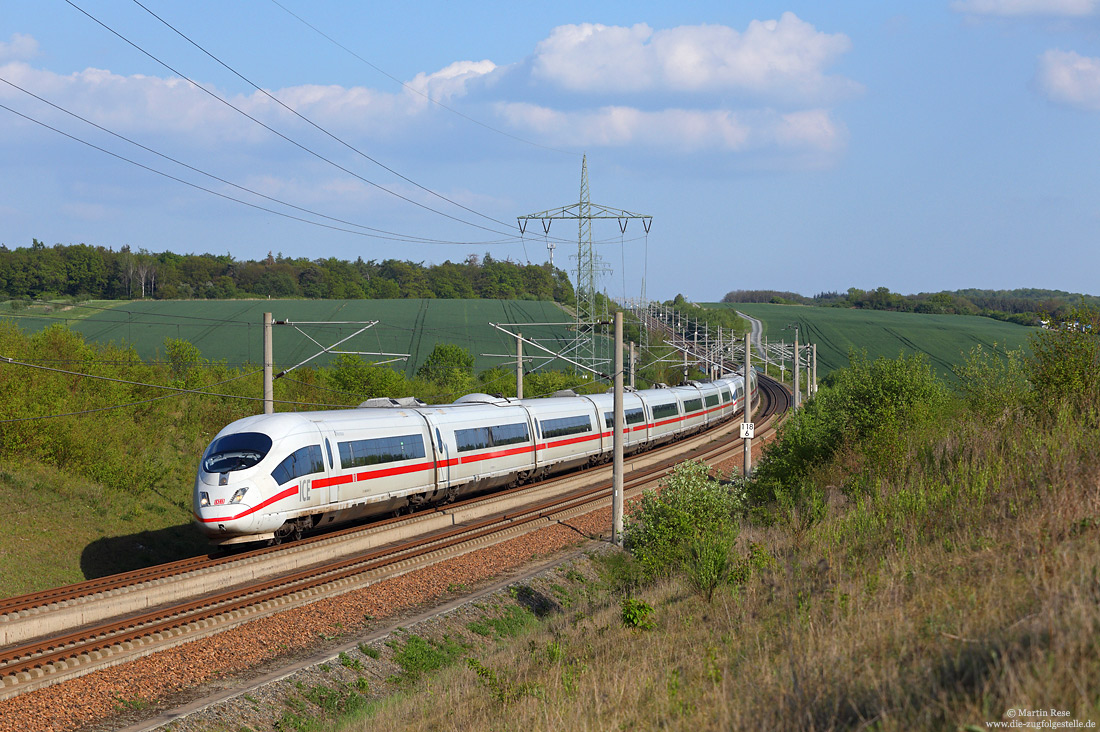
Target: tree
x,y
447,364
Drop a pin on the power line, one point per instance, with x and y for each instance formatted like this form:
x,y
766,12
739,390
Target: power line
x,y
12,361
402,237
414,90
224,195
310,122
274,131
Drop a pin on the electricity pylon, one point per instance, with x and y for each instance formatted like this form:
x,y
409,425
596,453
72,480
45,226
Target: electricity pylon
x,y
585,348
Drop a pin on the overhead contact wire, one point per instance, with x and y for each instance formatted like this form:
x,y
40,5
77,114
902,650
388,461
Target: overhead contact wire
x,y
178,390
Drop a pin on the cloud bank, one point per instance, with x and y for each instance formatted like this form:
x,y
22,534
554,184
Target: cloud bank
x,y
697,89
784,57
1069,78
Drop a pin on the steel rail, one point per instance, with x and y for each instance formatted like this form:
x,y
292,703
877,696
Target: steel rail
x,y
35,660
76,591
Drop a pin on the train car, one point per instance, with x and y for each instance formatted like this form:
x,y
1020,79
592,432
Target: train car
x,y
485,443
568,432
635,423
663,412
273,477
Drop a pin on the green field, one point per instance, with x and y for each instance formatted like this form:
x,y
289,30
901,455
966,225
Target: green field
x,y
231,330
946,339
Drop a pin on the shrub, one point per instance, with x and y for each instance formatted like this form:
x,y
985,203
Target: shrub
x,y
636,614
1063,367
871,403
992,383
350,374
707,563
692,507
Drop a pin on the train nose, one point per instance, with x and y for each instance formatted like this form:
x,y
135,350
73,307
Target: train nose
x,y
226,510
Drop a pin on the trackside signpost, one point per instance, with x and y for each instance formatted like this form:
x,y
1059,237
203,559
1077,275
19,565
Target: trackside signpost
x,y
747,427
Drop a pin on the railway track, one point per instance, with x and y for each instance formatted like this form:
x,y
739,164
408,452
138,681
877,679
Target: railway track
x,y
59,634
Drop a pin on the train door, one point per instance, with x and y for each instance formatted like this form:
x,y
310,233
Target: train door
x,y
444,461
320,489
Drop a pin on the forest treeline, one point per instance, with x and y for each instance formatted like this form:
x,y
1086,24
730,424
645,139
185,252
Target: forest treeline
x,y
1023,306
96,272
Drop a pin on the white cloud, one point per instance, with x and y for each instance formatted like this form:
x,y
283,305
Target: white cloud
x,y
779,57
173,106
1069,8
451,81
783,61
1070,78
681,130
20,47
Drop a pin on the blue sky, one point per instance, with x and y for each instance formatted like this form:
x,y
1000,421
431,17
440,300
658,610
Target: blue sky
x,y
801,146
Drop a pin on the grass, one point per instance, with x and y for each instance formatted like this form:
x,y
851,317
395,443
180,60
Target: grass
x,y
231,330
940,591
71,529
944,338
417,656
513,621
945,629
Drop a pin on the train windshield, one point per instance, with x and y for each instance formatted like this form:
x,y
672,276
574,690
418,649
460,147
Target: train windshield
x,y
235,452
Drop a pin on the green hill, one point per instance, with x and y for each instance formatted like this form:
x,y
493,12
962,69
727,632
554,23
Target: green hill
x,y
231,330
945,339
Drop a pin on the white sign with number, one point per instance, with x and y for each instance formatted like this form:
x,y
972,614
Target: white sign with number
x,y
748,430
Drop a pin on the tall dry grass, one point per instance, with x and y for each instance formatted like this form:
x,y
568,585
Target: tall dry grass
x,y
959,582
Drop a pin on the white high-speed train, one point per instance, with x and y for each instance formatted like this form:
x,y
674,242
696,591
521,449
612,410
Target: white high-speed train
x,y
272,477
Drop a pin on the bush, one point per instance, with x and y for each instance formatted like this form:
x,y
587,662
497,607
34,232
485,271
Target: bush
x,y
350,374
871,404
707,564
636,614
1063,368
692,508
993,384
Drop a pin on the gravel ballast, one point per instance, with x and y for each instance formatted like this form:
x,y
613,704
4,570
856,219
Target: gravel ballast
x,y
117,697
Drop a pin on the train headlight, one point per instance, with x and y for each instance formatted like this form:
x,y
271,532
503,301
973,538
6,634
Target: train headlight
x,y
204,498
238,495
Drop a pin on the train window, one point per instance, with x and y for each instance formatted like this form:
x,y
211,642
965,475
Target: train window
x,y
476,438
565,426
712,400
236,452
660,411
726,396
298,463
358,453
693,405
630,416
328,446
509,434
439,439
